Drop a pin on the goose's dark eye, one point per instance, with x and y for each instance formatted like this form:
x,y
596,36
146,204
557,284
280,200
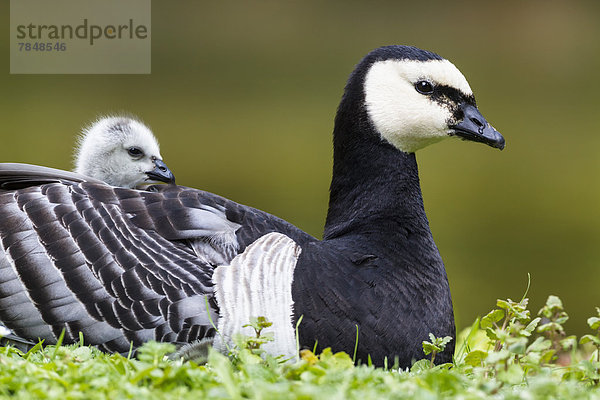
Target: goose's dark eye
x,y
135,152
424,87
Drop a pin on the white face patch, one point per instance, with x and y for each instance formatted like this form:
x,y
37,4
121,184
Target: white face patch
x,y
404,117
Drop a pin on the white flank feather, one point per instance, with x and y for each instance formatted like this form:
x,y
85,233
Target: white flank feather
x,y
258,283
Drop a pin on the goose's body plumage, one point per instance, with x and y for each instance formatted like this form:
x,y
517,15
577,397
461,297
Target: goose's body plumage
x,y
113,263
125,265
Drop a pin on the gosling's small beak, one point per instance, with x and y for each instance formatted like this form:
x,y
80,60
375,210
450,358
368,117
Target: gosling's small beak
x,y
161,173
475,128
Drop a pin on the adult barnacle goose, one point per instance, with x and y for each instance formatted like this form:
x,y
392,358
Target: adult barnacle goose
x,y
127,266
121,151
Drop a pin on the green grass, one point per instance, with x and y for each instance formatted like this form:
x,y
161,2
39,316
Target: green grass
x,y
507,354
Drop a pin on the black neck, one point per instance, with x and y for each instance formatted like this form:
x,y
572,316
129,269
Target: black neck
x,y
365,164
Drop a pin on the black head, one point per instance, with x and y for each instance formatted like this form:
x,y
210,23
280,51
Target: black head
x,y
411,98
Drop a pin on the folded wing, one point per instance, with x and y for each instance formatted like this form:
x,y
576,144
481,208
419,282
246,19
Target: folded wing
x,y
118,265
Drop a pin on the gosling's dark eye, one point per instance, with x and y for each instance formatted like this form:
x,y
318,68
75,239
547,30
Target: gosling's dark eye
x,y
135,152
424,87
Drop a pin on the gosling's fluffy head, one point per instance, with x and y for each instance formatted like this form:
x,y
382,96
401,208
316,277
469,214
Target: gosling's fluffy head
x,y
120,151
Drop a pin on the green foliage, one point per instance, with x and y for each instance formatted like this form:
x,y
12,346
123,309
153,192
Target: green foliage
x,y
594,323
254,343
520,350
506,354
435,346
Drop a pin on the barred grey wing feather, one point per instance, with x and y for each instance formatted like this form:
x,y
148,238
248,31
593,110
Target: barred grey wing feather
x,y
71,262
250,223
16,174
119,265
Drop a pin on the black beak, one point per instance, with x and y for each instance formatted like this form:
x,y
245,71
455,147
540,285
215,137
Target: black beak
x,y
161,173
475,128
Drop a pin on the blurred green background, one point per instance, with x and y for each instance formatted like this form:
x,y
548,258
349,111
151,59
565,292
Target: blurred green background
x,y
242,97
